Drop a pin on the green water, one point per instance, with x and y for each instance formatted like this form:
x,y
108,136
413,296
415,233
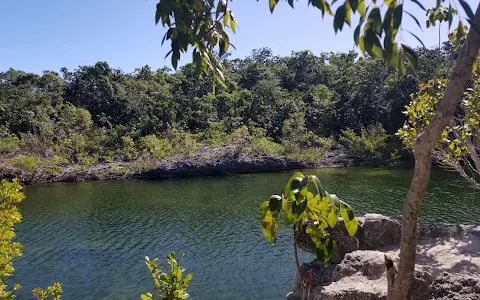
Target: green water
x,y
93,236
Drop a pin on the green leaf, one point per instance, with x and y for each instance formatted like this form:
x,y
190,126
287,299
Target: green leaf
x,y
290,2
419,4
233,23
411,56
288,187
275,203
414,18
145,297
272,4
298,209
356,34
351,223
397,16
467,9
334,201
372,45
332,218
361,8
339,18
318,185
348,13
226,18
375,19
158,13
474,25
415,36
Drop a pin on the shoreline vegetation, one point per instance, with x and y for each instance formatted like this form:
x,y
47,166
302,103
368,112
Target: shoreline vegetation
x,y
275,113
207,161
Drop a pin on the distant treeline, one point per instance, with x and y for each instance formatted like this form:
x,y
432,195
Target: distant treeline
x,y
277,105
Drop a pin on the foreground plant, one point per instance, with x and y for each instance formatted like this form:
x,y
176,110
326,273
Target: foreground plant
x,y
168,286
318,210
53,292
10,196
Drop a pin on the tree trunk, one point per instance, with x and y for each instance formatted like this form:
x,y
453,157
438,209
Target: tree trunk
x,y
424,145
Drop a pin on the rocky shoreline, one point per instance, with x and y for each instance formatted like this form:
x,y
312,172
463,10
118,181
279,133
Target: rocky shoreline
x,y
196,165
448,262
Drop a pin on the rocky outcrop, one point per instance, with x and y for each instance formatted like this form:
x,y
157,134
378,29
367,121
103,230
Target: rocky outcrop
x,y
456,287
448,262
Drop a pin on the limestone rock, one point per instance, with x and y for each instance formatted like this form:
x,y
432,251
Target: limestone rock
x,y
456,287
380,231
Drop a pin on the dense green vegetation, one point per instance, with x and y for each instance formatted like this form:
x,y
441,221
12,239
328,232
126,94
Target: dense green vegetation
x,y
298,106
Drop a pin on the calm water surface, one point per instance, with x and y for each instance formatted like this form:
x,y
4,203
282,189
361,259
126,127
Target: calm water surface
x,y
93,236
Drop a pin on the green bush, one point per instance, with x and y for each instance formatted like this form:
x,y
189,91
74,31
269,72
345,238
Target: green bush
x,y
183,142
168,286
371,143
266,147
32,165
127,150
157,148
9,144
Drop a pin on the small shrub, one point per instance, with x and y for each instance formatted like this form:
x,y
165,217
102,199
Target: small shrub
x,y
32,165
168,286
157,148
127,150
9,144
371,142
183,143
53,292
266,147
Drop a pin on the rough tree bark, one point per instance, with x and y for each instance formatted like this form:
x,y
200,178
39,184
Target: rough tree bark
x,y
424,145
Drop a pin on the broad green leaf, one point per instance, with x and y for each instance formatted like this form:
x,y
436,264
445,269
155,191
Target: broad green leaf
x,y
361,8
264,208
397,16
318,185
332,218
334,201
145,297
356,34
298,209
233,22
348,13
288,187
226,18
275,203
372,45
375,19
467,9
339,18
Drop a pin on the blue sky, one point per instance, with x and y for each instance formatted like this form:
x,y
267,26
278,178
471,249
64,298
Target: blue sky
x,y
50,34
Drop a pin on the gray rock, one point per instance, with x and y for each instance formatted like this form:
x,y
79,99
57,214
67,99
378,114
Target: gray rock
x,y
456,287
441,230
420,288
321,275
380,231
367,263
